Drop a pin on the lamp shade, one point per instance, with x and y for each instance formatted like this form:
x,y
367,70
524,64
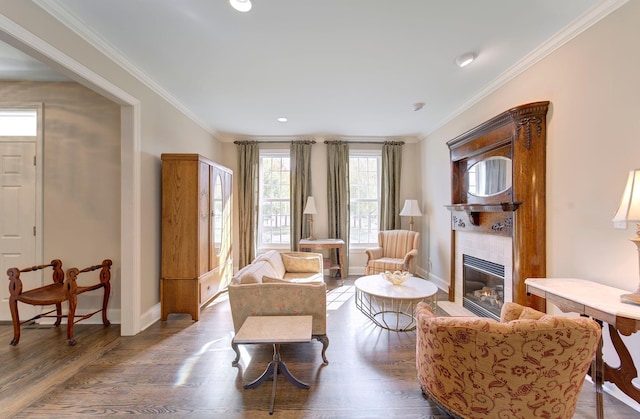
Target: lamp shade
x,y
411,208
310,208
629,208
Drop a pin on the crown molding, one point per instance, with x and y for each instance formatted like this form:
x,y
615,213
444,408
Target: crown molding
x,y
62,14
569,32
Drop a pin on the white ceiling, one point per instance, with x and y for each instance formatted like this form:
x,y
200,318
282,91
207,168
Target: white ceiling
x,y
333,67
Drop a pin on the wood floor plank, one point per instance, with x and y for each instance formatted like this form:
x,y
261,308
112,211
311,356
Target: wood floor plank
x,y
181,368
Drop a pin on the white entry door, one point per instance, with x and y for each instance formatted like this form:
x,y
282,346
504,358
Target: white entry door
x,y
17,220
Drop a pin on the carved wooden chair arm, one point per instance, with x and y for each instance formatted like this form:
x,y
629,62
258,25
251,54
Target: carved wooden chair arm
x,y
15,283
104,275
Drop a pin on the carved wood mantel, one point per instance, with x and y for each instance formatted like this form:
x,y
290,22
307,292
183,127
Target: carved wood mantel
x,y
519,211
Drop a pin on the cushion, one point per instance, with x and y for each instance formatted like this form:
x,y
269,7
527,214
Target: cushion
x,y
300,264
530,314
303,277
274,259
255,272
271,280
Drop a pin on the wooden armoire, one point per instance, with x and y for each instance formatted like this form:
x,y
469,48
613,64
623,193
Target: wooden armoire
x,y
197,262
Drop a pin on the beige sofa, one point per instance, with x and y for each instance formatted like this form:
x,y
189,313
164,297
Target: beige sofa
x,y
281,284
273,266
528,365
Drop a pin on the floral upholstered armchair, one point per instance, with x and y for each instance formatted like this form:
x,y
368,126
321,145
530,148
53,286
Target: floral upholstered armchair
x,y
397,251
528,365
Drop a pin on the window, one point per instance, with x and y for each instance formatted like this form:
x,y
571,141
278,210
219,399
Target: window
x,y
364,191
18,122
274,225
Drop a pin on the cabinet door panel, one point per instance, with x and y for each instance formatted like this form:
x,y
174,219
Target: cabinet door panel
x,y
179,210
203,218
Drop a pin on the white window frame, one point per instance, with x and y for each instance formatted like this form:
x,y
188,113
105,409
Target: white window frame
x,y
261,244
14,121
354,152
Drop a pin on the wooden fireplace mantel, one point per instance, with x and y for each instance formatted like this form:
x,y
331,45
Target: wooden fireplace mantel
x,y
519,211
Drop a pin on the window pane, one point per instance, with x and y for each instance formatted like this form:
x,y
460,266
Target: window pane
x,y
18,123
364,178
275,212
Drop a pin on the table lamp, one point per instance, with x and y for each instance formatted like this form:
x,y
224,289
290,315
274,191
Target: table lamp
x,y
410,209
310,210
629,210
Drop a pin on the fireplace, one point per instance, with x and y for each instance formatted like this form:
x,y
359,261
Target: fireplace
x,y
483,286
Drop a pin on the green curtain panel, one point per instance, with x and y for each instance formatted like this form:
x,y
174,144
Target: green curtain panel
x,y
338,197
300,189
390,186
248,161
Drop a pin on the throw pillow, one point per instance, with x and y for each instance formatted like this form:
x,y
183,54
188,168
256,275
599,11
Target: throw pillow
x,y
299,264
256,271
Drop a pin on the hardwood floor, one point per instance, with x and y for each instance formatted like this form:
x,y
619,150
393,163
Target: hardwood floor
x,y
182,368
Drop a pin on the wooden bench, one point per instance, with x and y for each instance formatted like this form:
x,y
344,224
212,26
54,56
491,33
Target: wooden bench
x,y
59,291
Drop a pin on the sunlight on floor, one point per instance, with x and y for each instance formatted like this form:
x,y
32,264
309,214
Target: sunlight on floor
x,y
338,296
187,366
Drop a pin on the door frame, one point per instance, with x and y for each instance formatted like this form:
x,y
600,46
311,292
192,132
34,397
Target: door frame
x,y
132,320
39,198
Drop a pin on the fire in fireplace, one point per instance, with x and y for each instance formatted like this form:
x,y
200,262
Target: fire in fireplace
x,y
483,286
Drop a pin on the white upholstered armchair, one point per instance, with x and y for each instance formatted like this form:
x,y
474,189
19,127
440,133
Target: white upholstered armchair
x,y
397,251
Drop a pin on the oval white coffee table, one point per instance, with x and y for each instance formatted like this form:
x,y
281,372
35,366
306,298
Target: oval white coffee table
x,y
391,306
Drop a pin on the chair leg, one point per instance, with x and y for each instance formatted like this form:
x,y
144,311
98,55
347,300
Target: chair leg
x,y
237,351
325,344
105,303
13,306
73,302
58,314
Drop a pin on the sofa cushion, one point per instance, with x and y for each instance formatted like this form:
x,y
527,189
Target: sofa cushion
x,y
303,277
296,263
274,259
271,280
255,271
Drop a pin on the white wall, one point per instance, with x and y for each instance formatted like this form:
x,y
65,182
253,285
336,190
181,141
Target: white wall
x,y
162,128
593,140
81,176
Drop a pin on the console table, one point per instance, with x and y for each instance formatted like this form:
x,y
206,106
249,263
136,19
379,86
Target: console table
x,y
602,303
322,244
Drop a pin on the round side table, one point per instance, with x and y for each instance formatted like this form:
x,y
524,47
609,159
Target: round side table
x,y
392,307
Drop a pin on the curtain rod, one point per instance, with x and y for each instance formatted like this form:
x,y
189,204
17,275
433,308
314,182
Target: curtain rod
x,y
365,142
275,142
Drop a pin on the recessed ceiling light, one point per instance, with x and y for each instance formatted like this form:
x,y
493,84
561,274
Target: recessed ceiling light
x,y
241,5
282,119
465,59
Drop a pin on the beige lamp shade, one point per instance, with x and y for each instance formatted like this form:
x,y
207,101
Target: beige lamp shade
x,y
310,208
629,208
411,208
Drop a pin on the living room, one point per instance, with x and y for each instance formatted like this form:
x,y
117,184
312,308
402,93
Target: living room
x,y
591,145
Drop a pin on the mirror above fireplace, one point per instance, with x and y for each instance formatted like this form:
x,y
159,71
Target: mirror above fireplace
x,y
489,177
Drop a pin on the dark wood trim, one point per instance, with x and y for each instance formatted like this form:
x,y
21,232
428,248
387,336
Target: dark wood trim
x,y
520,211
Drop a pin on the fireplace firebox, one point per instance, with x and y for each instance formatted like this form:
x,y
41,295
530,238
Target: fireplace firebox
x,y
483,286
